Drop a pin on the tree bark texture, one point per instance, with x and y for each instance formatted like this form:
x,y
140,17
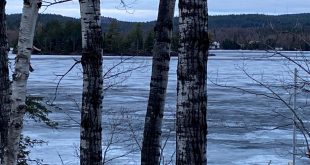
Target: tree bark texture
x,y
191,83
91,129
151,147
5,97
20,77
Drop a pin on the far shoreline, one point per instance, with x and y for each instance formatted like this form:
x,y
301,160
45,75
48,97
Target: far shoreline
x,y
174,54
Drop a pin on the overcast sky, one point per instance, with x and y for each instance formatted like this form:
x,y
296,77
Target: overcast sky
x,y
146,10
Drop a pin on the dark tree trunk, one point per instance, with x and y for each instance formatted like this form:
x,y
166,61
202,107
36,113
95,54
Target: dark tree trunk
x,y
5,102
91,129
191,84
151,147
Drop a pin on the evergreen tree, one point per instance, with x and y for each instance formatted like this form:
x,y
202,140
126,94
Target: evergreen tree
x,y
149,42
112,38
135,37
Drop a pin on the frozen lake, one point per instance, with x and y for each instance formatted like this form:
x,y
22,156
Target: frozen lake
x,y
241,125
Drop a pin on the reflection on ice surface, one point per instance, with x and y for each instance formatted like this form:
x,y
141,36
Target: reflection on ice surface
x,y
240,124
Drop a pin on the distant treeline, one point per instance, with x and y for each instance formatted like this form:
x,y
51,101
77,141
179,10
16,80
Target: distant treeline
x,y
61,35
253,31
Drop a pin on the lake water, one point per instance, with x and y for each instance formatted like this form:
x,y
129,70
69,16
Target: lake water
x,y
241,125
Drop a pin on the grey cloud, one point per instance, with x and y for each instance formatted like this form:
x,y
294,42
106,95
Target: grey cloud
x,y
259,6
146,10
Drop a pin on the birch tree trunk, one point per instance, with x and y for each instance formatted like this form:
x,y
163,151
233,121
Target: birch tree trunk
x,y
151,147
5,102
20,77
91,129
191,84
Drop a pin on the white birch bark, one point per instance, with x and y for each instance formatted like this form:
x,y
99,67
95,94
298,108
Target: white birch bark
x,y
151,146
191,127
20,77
91,129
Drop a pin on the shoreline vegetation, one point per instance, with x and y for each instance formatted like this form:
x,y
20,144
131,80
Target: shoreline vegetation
x,y
174,54
60,35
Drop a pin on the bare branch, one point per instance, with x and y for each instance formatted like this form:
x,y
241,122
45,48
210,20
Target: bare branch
x,y
126,6
61,77
62,162
289,59
47,4
134,136
274,95
54,2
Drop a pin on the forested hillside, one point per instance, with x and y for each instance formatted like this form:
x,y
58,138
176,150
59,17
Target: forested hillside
x,y
61,35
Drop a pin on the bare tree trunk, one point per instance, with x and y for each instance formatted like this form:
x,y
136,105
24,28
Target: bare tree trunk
x,y
151,148
20,77
191,84
5,98
91,129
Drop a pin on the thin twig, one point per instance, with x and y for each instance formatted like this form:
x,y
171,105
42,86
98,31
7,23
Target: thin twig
x,y
62,162
47,4
61,77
